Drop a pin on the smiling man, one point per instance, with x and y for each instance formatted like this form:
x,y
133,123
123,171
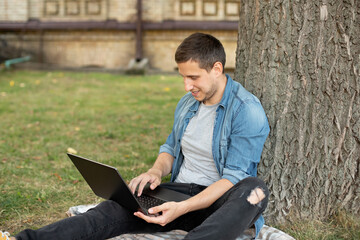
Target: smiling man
x,y
212,155
215,145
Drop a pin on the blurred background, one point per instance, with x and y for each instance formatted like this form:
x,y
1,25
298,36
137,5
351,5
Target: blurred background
x,y
110,34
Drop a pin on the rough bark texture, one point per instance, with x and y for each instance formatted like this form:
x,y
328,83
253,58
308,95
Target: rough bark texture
x,y
302,59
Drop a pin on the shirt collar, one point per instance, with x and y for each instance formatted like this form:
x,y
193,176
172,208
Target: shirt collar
x,y
225,97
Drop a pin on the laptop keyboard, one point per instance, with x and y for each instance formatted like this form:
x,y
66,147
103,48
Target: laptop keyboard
x,y
148,201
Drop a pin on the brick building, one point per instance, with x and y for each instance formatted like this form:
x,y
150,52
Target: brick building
x,y
109,33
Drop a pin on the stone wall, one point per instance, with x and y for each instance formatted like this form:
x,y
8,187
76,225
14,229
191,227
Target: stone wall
x,y
14,10
120,10
160,47
112,48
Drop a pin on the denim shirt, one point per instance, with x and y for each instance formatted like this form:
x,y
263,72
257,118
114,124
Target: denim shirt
x,y
240,131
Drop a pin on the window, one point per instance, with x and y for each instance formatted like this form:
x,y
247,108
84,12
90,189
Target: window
x,y
74,9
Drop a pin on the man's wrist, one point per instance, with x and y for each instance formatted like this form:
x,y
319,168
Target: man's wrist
x,y
155,171
184,207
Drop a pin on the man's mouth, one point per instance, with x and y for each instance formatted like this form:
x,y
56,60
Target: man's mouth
x,y
195,93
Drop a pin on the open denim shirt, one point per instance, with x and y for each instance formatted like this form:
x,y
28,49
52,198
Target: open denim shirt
x,y
240,131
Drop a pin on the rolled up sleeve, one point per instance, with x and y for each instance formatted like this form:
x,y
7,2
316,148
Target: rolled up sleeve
x,y
250,129
168,146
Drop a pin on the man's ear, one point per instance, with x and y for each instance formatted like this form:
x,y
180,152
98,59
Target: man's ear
x,y
218,68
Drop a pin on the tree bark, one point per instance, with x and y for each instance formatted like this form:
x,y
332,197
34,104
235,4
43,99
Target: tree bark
x,y
302,60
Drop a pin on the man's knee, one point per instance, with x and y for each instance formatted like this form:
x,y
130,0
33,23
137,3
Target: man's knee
x,y
259,190
256,196
253,190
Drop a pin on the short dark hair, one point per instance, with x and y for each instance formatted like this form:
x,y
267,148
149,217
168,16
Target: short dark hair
x,y
202,48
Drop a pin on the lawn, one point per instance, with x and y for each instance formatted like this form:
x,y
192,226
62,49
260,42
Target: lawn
x,y
116,119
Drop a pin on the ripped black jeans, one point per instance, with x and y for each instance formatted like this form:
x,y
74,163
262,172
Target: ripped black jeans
x,y
226,218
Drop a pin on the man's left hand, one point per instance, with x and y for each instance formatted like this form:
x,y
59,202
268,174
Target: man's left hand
x,y
169,212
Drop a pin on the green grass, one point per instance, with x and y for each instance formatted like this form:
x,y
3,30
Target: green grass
x,y
340,226
116,119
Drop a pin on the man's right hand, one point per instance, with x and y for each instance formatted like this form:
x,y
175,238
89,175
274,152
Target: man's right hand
x,y
152,176
161,167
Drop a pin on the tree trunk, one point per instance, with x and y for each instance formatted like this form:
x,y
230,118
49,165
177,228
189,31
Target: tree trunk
x,y
302,60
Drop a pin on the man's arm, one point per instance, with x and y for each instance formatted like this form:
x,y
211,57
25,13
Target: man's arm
x,y
249,130
172,210
208,196
161,167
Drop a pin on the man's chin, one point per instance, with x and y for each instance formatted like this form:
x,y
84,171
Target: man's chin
x,y
199,99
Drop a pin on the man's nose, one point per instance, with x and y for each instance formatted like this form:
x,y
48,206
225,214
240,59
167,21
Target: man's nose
x,y
188,84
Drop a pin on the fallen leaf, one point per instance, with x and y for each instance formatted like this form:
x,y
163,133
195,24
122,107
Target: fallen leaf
x,y
71,150
58,176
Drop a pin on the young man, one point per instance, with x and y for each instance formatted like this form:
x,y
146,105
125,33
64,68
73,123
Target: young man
x,y
212,153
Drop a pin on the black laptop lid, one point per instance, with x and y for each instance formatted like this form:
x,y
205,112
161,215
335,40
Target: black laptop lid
x,y
105,181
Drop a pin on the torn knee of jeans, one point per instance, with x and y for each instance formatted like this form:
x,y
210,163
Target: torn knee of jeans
x,y
256,196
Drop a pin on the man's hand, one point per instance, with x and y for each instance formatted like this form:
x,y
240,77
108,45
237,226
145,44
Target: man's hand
x,y
153,176
161,167
169,212
172,210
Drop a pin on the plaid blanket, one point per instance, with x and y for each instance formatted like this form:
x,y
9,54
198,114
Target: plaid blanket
x,y
266,233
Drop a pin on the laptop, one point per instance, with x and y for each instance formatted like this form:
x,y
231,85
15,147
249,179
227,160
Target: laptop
x,y
106,182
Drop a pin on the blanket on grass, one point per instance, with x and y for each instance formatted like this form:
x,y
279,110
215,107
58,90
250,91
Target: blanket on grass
x,y
266,233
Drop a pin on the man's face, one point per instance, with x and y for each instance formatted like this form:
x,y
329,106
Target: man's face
x,y
202,84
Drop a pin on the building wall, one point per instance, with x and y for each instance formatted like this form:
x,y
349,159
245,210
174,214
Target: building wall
x,y
16,10
160,47
120,10
89,49
112,48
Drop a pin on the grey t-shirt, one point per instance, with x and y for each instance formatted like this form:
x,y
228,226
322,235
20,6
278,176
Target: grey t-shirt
x,y
199,166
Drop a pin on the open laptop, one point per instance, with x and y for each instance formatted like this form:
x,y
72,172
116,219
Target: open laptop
x,y
106,182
